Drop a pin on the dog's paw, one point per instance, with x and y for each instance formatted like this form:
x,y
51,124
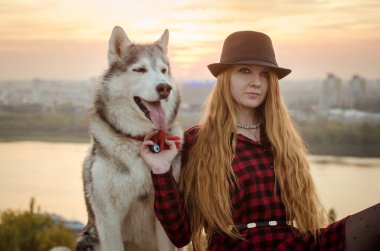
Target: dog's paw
x,y
86,242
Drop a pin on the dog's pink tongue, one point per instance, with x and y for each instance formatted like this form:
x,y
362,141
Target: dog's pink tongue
x,y
157,114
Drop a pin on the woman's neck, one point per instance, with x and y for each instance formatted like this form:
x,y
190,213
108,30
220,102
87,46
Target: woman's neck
x,y
248,116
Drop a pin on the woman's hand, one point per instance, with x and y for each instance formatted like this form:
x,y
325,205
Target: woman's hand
x,y
158,162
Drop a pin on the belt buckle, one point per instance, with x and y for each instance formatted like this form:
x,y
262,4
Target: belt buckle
x,y
272,223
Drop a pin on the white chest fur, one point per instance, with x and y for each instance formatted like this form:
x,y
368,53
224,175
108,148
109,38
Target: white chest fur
x,y
119,190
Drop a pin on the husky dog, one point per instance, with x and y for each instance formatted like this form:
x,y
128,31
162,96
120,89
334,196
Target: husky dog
x,y
135,97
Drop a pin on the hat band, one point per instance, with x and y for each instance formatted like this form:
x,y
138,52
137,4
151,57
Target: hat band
x,y
249,61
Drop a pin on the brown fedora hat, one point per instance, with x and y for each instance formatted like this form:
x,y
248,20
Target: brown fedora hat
x,y
248,47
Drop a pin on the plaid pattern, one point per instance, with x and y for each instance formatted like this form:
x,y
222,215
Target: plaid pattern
x,y
257,199
169,209
331,239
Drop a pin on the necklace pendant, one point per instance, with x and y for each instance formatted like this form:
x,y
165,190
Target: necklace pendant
x,y
249,127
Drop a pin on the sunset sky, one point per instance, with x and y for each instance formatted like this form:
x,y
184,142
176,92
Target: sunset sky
x,y
68,39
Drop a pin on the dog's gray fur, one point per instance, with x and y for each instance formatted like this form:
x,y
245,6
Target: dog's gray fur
x,y
117,184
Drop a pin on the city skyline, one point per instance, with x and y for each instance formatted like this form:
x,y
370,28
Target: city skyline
x,y
55,40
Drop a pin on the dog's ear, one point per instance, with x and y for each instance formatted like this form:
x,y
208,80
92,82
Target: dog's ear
x,y
163,41
118,44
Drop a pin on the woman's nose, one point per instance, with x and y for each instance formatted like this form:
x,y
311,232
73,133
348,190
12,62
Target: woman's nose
x,y
255,81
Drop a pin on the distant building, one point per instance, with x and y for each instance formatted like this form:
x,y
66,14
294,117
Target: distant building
x,y
306,99
356,90
194,94
331,93
48,93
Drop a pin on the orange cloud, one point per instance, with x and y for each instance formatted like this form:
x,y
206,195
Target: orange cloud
x,y
197,29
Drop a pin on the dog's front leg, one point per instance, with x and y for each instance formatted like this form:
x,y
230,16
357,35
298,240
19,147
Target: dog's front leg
x,y
109,230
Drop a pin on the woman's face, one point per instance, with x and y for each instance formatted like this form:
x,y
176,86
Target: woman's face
x,y
249,85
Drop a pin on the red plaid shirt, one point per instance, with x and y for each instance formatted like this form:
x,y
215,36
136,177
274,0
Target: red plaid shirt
x,y
257,200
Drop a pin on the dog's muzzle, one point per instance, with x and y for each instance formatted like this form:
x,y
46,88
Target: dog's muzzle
x,y
163,90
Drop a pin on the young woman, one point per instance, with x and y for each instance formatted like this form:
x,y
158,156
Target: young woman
x,y
245,179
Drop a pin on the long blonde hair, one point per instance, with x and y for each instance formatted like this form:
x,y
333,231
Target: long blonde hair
x,y
207,177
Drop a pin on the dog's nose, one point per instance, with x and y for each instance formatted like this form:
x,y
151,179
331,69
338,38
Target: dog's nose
x,y
163,90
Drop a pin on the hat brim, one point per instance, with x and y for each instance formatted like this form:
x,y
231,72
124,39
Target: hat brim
x,y
217,68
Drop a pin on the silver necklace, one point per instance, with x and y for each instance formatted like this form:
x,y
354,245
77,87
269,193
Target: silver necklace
x,y
249,126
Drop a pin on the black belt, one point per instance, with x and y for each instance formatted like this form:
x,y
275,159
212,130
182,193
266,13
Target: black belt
x,y
271,223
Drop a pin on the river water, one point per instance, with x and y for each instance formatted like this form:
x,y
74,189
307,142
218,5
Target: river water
x,y
51,173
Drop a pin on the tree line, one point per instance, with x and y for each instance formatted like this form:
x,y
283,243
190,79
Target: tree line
x,y
321,135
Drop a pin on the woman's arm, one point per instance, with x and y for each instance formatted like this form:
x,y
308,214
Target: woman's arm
x,y
170,210
168,201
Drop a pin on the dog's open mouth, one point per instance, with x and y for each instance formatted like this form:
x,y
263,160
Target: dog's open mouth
x,y
153,111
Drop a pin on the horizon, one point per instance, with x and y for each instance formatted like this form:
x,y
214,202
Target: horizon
x,y
201,81
54,40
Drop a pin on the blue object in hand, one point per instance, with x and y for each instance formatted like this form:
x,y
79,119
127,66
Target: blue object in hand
x,y
155,148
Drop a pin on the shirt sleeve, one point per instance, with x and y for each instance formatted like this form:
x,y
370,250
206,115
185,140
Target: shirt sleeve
x,y
170,210
169,205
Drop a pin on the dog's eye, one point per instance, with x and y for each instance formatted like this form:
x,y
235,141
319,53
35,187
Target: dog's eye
x,y
140,69
163,70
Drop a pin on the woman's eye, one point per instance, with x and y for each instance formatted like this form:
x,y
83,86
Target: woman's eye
x,y
245,70
265,74
163,70
140,69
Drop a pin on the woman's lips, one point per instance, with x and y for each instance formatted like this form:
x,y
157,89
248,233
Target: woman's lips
x,y
253,94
